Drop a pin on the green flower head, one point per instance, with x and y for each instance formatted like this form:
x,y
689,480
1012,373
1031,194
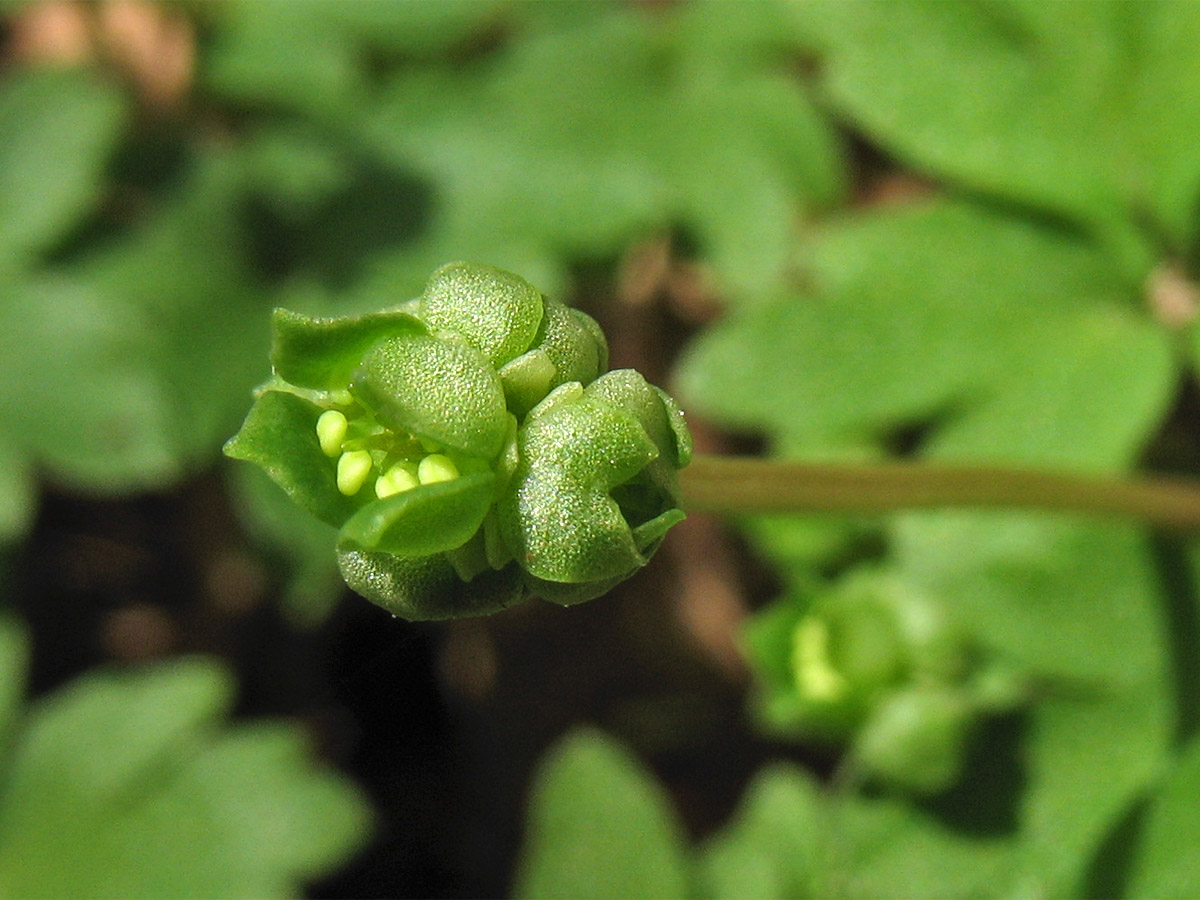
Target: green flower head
x,y
468,447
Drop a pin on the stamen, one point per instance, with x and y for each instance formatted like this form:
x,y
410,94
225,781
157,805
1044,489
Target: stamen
x,y
352,470
331,431
399,478
436,467
816,677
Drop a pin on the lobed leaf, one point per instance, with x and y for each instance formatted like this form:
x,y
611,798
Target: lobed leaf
x,y
599,827
773,848
164,802
43,193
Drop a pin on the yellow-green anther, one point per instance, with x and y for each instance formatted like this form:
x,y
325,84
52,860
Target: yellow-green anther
x,y
816,678
397,479
436,467
331,431
353,467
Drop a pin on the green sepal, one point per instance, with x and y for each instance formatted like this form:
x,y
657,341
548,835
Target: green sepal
x,y
280,436
470,560
496,312
428,519
646,538
435,388
322,354
648,535
557,514
427,587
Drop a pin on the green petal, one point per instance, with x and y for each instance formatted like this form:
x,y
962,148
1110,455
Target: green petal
x,y
429,519
574,343
557,514
322,354
435,388
497,312
627,389
280,436
427,587
527,379
570,594
677,422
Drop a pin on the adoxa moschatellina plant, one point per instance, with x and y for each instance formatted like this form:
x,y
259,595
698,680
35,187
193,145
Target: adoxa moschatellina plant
x,y
469,446
472,451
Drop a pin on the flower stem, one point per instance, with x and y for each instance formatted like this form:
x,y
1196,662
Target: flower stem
x,y
749,485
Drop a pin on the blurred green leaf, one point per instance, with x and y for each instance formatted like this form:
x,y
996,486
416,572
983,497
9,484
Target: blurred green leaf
x,y
1005,340
607,127
599,826
125,784
1076,607
89,405
1028,101
14,660
18,498
999,333
287,55
57,132
774,848
202,320
309,55
1166,862
1163,105
889,847
418,29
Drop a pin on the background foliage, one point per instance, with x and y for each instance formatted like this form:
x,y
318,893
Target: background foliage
x,y
842,231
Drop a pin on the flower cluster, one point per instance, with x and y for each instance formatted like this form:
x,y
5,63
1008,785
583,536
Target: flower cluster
x,y
880,666
469,446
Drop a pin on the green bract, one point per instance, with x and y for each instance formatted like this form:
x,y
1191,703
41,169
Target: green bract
x,y
468,447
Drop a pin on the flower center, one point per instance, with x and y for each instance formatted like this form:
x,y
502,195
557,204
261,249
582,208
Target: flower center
x,y
366,451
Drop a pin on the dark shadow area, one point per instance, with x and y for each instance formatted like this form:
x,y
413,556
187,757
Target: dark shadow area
x,y
1109,873
376,211
986,803
1182,609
